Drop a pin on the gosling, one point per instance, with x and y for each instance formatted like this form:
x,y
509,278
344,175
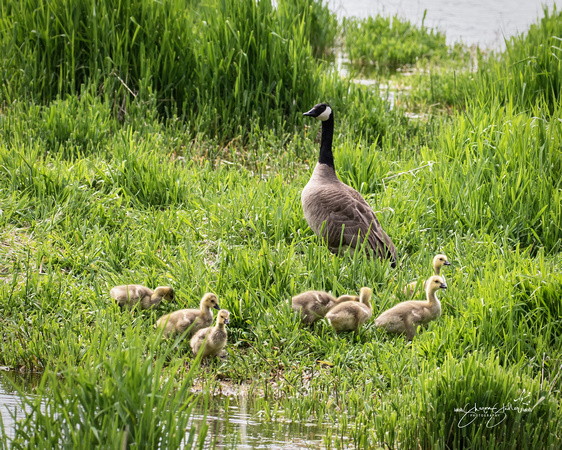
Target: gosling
x,y
313,305
131,295
405,317
351,315
192,320
211,341
438,262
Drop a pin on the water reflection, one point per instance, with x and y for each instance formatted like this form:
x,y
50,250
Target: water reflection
x,y
10,405
238,424
229,423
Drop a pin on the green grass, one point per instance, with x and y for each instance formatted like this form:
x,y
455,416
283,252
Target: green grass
x,y
220,65
90,198
389,43
526,75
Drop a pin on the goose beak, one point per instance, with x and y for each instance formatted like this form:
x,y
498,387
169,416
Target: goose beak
x,y
310,113
217,307
443,286
447,263
226,321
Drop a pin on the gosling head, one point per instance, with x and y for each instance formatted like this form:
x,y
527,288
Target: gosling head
x,y
435,283
223,317
165,292
365,295
321,111
210,300
440,261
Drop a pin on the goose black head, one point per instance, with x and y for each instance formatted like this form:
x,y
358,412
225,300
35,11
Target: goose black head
x,y
322,111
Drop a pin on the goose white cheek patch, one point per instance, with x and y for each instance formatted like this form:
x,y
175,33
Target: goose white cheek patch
x,y
324,116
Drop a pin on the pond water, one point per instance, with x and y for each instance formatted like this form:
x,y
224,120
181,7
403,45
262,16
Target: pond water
x,y
10,404
239,425
482,22
232,423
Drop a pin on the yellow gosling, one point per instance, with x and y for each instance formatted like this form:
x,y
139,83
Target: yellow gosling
x,y
193,320
438,262
211,341
405,317
313,305
351,315
131,295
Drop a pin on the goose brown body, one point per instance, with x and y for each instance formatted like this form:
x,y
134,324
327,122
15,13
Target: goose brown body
x,y
211,340
313,305
131,295
193,320
405,317
335,211
351,315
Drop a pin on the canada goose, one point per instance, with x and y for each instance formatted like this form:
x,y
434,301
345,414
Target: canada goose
x,y
129,295
438,262
406,316
349,316
192,319
335,211
313,305
213,339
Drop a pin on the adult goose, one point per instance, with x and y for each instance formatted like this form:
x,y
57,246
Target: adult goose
x,y
335,211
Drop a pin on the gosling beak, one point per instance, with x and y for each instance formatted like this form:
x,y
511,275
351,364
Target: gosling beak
x,y
443,286
446,263
217,307
226,321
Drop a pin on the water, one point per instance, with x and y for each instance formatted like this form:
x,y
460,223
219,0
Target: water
x,y
482,22
232,423
239,425
10,404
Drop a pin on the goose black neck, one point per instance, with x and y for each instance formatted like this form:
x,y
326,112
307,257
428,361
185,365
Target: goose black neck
x,y
326,155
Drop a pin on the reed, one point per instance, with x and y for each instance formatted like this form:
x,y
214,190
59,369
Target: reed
x,y
388,43
220,65
127,398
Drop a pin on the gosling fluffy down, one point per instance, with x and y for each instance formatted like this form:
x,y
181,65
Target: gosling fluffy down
x,y
405,317
211,341
131,295
351,315
438,262
193,320
313,305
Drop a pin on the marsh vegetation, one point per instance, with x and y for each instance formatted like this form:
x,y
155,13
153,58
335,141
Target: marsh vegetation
x,y
162,144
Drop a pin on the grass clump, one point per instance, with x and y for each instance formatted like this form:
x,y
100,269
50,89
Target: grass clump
x,y
128,398
221,66
391,42
526,75
471,403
